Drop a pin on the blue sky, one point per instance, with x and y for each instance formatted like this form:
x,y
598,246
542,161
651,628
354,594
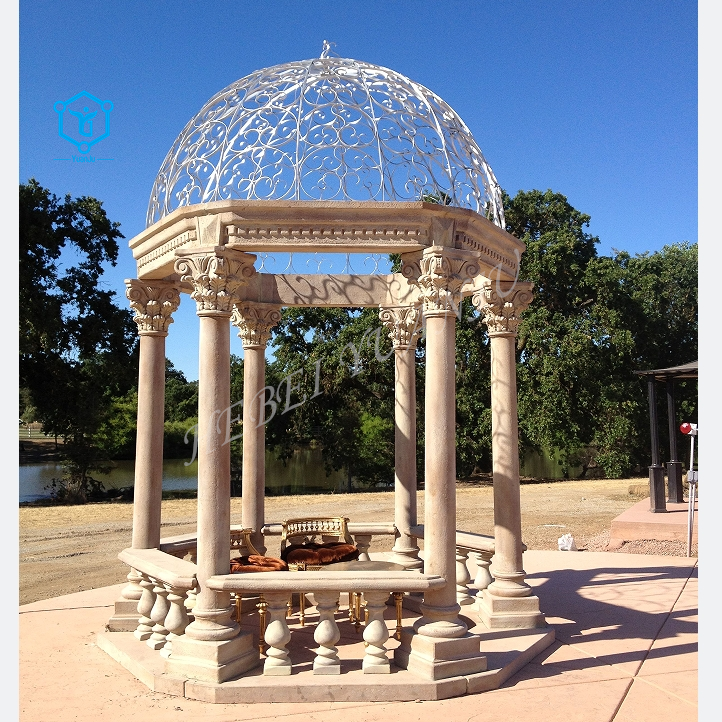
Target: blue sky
x,y
597,101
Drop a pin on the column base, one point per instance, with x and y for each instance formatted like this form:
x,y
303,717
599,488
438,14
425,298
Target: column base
x,y
212,661
657,501
509,612
125,616
436,658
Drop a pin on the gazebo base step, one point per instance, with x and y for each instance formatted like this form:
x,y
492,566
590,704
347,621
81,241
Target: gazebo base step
x,y
506,654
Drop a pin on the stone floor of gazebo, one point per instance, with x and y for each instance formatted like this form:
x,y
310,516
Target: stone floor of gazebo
x,y
506,654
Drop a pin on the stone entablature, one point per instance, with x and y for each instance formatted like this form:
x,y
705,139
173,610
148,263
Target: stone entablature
x,y
325,226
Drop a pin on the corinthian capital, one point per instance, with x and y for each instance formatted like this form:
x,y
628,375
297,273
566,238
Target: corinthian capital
x,y
216,276
501,304
154,302
255,321
440,274
403,323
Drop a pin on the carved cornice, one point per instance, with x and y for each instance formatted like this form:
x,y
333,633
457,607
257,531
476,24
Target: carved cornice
x,y
153,303
440,274
216,276
255,321
501,305
403,323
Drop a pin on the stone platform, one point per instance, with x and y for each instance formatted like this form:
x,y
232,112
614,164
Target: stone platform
x,y
638,522
625,649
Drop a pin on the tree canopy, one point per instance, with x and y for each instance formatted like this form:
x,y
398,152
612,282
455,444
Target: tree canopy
x,y
594,320
77,347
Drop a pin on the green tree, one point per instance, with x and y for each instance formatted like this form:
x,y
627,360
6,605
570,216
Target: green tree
x,y
329,358
77,348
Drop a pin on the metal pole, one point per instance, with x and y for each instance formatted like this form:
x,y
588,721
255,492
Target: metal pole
x,y
657,497
692,480
674,465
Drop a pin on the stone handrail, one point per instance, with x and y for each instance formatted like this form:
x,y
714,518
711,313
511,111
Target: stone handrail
x,y
322,580
158,564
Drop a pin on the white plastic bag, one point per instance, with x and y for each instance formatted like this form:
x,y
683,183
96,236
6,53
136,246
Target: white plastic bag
x,y
566,543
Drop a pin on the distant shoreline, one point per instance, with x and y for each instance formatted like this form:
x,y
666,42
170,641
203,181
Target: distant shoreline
x,y
39,451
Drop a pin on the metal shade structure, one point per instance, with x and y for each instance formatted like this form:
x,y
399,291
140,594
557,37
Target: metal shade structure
x,y
326,129
674,465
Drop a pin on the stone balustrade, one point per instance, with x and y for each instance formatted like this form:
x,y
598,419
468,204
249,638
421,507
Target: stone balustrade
x,y
480,547
166,582
276,587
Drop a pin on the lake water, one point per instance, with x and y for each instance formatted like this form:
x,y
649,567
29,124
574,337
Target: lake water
x,y
303,473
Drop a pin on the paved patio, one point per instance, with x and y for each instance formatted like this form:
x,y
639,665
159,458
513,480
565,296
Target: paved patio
x,y
625,650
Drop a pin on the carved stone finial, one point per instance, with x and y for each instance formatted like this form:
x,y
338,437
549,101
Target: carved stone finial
x,y
501,305
153,302
216,277
440,275
403,323
255,321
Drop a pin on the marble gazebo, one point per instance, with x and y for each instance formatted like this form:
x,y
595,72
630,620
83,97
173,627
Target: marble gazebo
x,y
332,157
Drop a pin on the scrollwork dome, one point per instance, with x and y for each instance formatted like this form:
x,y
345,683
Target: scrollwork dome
x,y
326,129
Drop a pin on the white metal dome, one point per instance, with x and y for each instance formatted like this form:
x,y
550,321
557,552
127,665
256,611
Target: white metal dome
x,y
326,129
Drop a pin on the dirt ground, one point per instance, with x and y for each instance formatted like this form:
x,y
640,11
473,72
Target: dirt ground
x,y
65,549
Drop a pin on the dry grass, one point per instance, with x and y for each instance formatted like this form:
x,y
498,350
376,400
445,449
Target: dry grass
x,y
64,549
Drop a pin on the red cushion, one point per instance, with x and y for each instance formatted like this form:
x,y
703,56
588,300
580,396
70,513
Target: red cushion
x,y
320,553
257,563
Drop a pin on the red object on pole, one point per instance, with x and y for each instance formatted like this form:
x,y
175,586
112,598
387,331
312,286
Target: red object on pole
x,y
688,429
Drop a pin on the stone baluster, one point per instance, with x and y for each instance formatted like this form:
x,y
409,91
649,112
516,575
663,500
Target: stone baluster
x,y
327,634
363,542
177,618
483,576
463,578
277,636
376,634
145,606
158,614
192,594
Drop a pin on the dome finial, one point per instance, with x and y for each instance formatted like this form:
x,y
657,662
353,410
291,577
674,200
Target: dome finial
x,y
326,48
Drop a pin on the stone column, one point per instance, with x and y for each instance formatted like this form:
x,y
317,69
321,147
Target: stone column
x,y
404,324
441,646
508,601
213,649
255,321
154,302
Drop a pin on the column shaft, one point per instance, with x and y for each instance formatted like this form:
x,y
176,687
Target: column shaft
x,y
254,443
214,458
148,486
440,472
405,515
508,565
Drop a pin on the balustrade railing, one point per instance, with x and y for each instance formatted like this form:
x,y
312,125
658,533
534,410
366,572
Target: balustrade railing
x,y
326,587
167,577
480,547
